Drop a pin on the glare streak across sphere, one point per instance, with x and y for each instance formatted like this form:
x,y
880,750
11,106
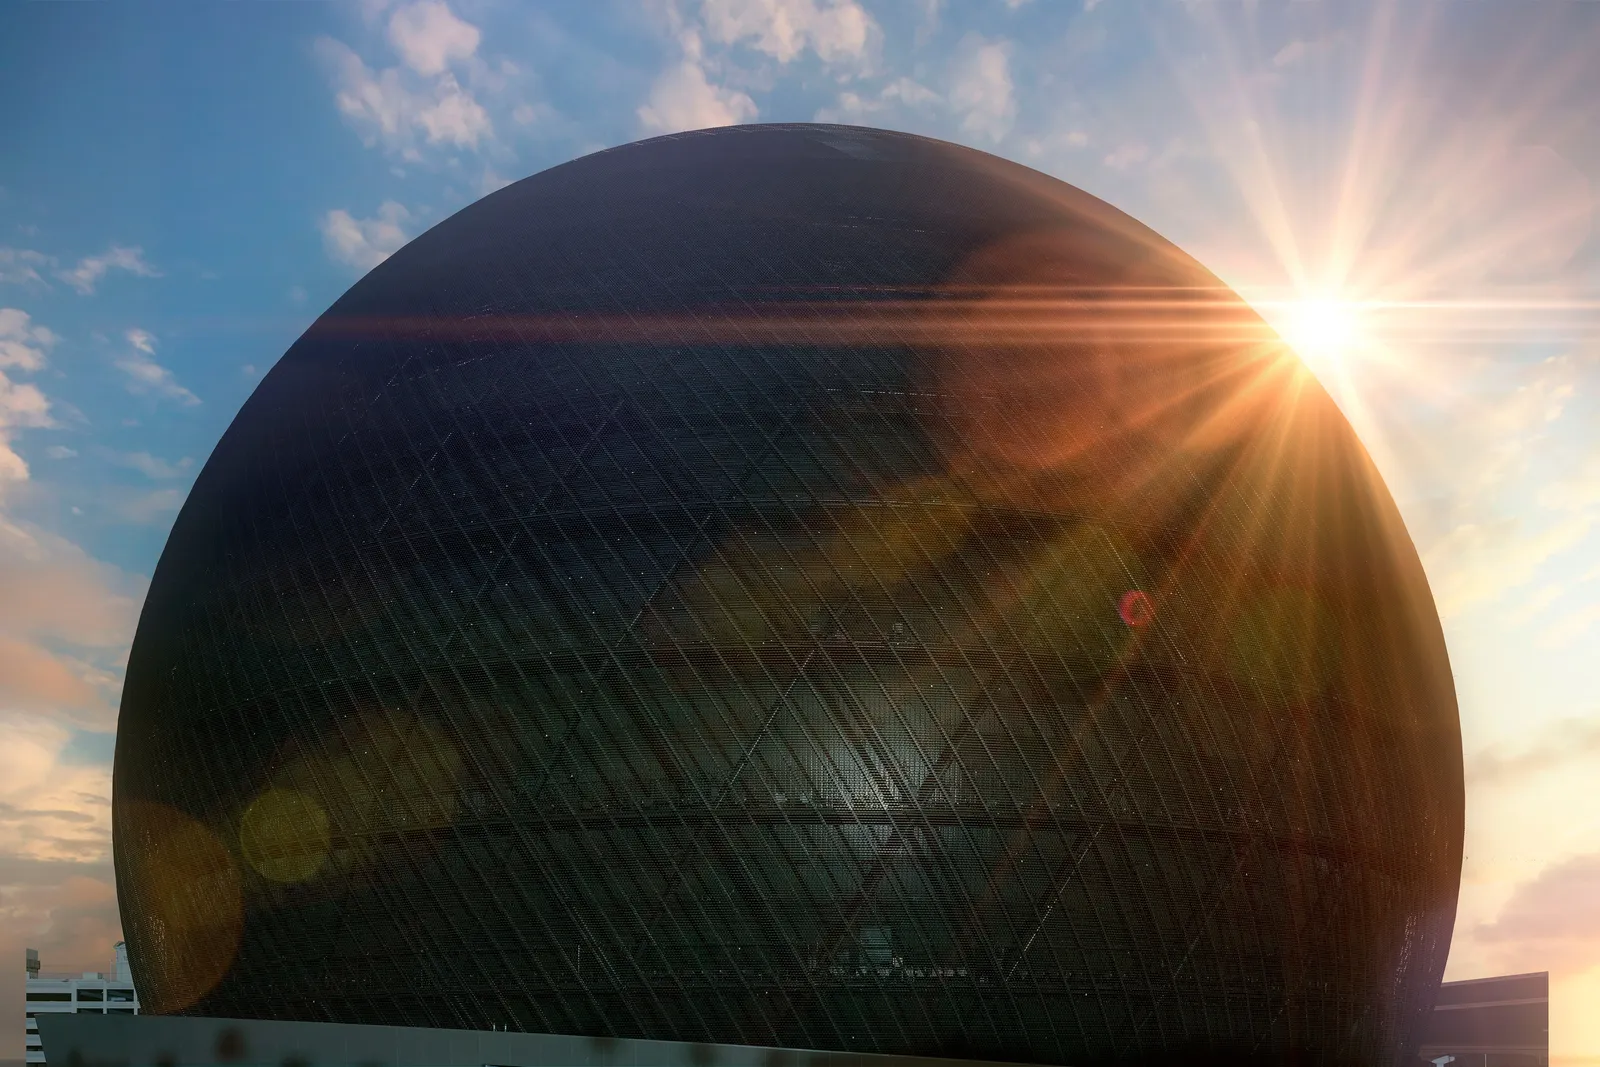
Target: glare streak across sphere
x,y
797,586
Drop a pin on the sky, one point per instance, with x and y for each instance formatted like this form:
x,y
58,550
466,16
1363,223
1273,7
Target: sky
x,y
1408,189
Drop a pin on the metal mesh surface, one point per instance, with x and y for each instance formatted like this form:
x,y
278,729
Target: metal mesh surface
x,y
795,586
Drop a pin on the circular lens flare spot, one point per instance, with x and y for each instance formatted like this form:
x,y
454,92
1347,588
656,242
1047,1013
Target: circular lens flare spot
x,y
284,835
1136,608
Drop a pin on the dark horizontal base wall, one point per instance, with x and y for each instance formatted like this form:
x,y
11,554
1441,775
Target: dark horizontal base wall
x,y
172,1041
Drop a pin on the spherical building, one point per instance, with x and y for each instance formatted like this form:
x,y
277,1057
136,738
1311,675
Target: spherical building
x,y
796,586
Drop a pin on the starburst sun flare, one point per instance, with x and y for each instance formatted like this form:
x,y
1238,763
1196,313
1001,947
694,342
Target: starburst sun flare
x,y
1325,331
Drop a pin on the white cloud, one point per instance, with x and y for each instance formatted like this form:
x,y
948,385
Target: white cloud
x,y
429,36
22,345
145,375
390,109
91,269
20,266
454,116
377,102
364,243
835,29
683,99
60,452
980,90
22,405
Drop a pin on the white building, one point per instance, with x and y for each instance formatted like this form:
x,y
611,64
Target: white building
x,y
106,993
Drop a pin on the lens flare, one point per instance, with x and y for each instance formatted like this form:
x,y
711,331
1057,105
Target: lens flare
x,y
1136,608
284,835
195,911
1325,331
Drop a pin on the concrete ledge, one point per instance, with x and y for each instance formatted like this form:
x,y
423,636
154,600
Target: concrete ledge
x,y
85,1040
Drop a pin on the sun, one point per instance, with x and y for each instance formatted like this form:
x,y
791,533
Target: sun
x,y
1327,332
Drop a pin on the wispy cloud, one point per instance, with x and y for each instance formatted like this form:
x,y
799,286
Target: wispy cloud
x,y
1484,545
980,87
1552,921
56,884
67,617
1535,605
682,98
22,404
422,101
67,909
148,465
35,678
1570,627
1479,561
428,36
145,375
90,269
386,109
899,98
836,30
1576,490
21,266
55,590
142,509
364,243
1126,155
1564,743
692,91
22,344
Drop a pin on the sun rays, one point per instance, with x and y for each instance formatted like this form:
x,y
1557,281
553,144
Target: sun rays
x,y
1402,229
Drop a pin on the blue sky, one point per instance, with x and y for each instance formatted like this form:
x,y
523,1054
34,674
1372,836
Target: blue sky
x,y
1409,190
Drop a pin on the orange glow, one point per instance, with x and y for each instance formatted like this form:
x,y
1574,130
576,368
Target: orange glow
x,y
191,886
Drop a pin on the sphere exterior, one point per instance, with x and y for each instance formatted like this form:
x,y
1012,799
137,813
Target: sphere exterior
x,y
796,586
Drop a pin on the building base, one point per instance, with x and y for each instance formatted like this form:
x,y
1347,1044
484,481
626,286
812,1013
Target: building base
x,y
172,1041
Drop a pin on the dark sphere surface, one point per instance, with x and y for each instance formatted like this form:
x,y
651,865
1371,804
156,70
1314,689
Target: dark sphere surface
x,y
796,586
